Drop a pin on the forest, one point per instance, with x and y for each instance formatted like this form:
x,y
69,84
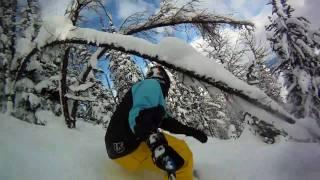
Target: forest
x,y
220,86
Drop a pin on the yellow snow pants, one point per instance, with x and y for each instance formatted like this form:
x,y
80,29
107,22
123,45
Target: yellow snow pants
x,y
140,159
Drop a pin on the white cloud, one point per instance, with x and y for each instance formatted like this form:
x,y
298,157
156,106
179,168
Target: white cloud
x,y
237,3
232,35
227,33
242,8
297,3
197,43
218,6
260,21
129,7
53,7
309,9
257,11
306,8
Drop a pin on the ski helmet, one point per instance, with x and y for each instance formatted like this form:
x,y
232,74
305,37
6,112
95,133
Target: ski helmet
x,y
158,72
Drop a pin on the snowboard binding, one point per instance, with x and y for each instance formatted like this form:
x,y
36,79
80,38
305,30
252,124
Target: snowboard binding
x,y
164,156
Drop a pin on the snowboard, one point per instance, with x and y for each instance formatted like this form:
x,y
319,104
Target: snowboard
x,y
195,176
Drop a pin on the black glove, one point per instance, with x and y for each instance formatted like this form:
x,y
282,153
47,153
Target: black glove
x,y
197,134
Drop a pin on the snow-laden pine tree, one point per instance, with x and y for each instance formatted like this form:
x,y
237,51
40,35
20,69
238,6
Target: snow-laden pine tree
x,y
89,100
104,105
29,19
234,55
8,13
195,107
124,72
48,85
219,48
226,50
38,87
79,57
8,29
26,99
258,74
296,44
95,102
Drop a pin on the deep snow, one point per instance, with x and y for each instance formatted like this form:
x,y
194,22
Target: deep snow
x,y
32,152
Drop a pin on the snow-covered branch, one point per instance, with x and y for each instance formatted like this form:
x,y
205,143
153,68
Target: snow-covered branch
x,y
79,98
171,52
81,87
168,15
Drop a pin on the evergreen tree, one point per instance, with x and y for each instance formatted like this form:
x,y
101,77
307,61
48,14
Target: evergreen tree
x,y
195,107
220,49
30,20
26,98
258,73
124,72
8,14
296,43
104,105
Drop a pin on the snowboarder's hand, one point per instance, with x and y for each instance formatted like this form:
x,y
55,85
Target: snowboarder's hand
x,y
199,135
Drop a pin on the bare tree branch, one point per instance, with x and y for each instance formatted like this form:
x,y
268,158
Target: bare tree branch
x,y
197,19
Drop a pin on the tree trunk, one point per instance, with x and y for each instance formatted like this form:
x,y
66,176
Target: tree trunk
x,y
63,90
71,118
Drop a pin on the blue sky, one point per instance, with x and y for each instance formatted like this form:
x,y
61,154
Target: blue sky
x,y
254,10
120,10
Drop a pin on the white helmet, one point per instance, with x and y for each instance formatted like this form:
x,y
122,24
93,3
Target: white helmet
x,y
159,73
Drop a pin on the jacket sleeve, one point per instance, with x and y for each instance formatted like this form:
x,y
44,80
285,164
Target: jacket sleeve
x,y
148,121
174,126
148,108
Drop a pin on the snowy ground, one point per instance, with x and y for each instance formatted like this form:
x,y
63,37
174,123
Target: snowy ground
x,y
31,152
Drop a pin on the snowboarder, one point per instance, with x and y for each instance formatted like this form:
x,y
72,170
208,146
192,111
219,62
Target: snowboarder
x,y
134,139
